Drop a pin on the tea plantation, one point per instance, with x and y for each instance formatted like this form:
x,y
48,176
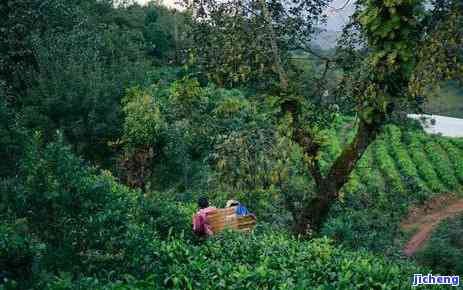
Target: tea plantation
x,y
402,168
115,238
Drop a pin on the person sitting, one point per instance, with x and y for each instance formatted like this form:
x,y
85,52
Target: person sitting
x,y
200,223
241,210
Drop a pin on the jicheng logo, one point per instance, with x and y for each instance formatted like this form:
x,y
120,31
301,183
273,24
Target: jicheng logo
x,y
419,279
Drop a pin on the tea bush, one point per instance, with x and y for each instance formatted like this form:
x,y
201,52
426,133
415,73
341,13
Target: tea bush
x,y
74,213
164,215
387,166
425,168
441,163
444,251
396,172
454,157
258,261
69,226
402,158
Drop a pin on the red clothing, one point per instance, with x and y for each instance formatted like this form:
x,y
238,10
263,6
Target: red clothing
x,y
200,222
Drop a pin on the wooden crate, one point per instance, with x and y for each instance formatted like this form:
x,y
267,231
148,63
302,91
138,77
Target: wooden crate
x,y
223,218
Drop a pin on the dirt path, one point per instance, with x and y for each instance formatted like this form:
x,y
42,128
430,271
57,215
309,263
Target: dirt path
x,y
427,217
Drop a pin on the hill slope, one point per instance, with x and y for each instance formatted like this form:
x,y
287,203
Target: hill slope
x,y
402,168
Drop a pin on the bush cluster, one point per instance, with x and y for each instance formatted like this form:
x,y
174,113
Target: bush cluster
x,y
257,261
400,169
444,251
73,227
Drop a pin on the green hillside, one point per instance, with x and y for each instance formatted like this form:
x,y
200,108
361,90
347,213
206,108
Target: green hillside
x,y
447,101
118,239
403,167
444,251
129,132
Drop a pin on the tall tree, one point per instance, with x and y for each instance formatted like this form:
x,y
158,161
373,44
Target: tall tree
x,y
393,32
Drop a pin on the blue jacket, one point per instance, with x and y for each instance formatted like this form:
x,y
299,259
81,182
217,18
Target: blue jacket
x,y
241,210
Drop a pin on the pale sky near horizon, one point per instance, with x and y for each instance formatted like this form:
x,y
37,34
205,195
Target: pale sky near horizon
x,y
337,17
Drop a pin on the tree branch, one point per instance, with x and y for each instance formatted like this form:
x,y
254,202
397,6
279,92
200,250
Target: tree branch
x,y
343,166
315,171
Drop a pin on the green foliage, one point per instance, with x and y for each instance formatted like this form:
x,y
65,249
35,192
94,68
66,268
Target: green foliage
x,y
84,100
442,164
390,27
235,50
439,57
166,34
243,160
22,20
187,128
99,235
19,251
273,261
144,122
354,185
425,168
11,138
454,157
166,217
387,166
394,173
445,100
392,31
369,226
67,65
87,70
444,251
405,164
67,206
331,149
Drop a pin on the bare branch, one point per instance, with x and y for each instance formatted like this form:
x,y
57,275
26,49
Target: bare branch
x,y
342,7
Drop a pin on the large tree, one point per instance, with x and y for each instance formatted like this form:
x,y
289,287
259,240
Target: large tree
x,y
390,74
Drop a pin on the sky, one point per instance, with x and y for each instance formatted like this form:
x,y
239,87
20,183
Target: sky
x,y
337,17
339,13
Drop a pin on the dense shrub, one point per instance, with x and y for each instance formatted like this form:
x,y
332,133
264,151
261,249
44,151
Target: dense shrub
x,y
444,251
441,163
11,137
84,230
405,164
425,168
77,213
454,156
164,215
395,173
372,229
19,253
259,261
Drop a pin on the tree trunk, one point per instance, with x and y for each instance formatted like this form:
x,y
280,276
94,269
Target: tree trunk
x,y
315,212
313,216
